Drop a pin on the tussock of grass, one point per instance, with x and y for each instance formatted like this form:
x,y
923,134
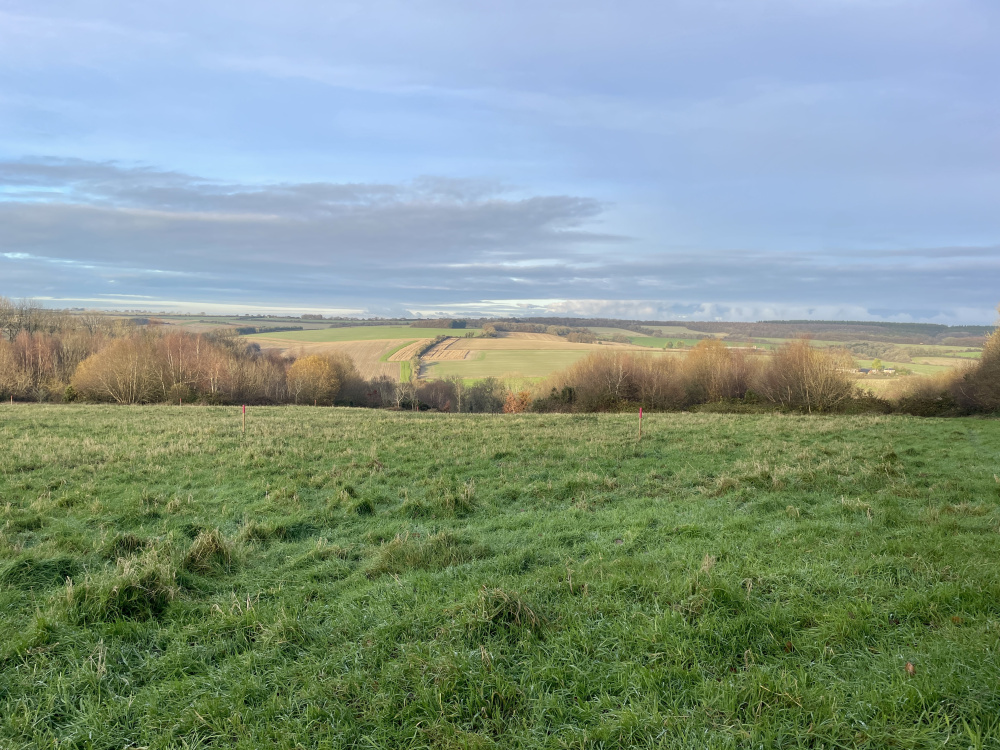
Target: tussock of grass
x,y
276,531
32,572
499,612
443,500
965,509
124,545
138,589
405,553
209,553
856,505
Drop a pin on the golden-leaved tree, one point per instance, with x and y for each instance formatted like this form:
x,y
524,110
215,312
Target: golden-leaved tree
x,y
318,378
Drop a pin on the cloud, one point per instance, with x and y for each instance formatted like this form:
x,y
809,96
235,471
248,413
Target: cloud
x,y
65,216
77,230
103,230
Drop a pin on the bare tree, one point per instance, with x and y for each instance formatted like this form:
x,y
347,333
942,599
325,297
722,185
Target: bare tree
x,y
802,376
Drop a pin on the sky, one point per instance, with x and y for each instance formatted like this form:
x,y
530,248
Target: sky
x,y
659,160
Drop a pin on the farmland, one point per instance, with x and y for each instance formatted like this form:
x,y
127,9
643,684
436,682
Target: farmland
x,y
387,348
505,363
371,357
510,355
347,578
380,350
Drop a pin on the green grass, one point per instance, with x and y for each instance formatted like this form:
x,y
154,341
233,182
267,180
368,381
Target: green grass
x,y
965,355
367,579
498,363
915,368
405,371
365,333
606,331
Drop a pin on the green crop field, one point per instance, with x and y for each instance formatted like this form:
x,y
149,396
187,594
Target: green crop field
x,y
605,331
364,333
915,368
340,578
965,355
498,363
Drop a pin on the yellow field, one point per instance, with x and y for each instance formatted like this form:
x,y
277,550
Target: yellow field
x,y
446,351
407,352
366,354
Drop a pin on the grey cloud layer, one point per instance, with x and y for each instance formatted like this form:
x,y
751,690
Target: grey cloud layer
x,y
87,230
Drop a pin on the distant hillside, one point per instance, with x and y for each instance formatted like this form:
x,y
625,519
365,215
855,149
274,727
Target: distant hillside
x,y
833,330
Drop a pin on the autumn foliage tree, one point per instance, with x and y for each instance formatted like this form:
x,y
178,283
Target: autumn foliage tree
x,y
318,378
517,402
124,372
312,380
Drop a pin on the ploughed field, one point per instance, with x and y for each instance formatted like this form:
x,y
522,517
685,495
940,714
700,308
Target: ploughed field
x,y
348,578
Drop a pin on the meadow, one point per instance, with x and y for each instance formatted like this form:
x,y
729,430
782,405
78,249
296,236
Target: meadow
x,y
339,578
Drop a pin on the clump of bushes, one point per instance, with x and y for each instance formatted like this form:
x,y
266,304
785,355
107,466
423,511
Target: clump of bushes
x,y
797,376
978,389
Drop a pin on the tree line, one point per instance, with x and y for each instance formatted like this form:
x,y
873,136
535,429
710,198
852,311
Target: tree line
x,y
49,355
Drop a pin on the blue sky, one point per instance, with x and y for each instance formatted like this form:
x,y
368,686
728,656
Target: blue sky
x,y
737,159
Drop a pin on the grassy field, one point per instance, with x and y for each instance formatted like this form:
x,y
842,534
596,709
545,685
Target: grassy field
x,y
367,579
916,367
